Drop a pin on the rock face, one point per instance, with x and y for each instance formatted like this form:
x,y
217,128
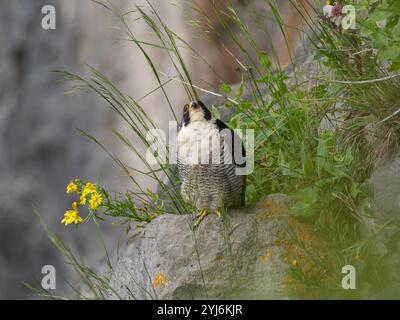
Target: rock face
x,y
39,150
237,257
386,183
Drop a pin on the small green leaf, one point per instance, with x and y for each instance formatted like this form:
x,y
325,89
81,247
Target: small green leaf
x,y
390,53
264,60
396,31
354,190
308,168
240,90
215,112
379,15
224,88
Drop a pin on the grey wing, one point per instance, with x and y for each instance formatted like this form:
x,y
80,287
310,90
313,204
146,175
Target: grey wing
x,y
234,143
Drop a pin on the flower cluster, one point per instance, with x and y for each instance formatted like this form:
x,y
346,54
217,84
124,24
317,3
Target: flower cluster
x,y
160,280
87,193
332,9
72,216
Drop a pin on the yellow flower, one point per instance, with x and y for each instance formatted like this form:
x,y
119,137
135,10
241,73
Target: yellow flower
x,y
72,187
159,280
71,216
82,199
90,188
95,201
75,205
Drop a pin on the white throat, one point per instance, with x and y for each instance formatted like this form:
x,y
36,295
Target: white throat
x,y
196,140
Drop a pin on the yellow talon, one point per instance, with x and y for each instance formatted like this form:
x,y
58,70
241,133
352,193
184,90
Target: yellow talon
x,y
200,216
204,213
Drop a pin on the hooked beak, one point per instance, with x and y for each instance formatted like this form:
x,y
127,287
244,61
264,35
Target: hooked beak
x,y
193,105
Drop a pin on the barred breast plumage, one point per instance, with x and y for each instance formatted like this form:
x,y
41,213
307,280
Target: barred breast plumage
x,y
206,164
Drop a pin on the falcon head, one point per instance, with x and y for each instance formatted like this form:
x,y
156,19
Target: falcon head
x,y
195,111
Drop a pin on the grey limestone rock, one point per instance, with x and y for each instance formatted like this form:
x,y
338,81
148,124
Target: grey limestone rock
x,y
234,258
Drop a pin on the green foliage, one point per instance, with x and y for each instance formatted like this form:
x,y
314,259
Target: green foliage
x,y
125,207
381,24
325,169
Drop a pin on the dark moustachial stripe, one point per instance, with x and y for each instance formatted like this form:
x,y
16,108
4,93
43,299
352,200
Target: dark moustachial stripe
x,y
186,118
207,113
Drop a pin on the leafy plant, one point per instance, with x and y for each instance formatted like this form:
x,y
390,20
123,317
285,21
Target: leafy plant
x,y
316,139
379,22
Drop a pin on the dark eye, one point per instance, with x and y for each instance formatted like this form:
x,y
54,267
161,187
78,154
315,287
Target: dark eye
x,y
185,109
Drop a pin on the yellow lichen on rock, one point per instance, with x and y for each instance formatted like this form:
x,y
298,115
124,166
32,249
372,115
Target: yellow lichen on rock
x,y
305,251
308,254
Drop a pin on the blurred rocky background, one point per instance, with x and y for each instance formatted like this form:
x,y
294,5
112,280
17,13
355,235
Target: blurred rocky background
x,y
40,150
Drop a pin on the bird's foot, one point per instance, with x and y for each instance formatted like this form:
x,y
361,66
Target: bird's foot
x,y
204,213
200,216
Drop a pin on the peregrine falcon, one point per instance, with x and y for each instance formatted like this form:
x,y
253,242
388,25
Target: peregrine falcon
x,y
207,162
